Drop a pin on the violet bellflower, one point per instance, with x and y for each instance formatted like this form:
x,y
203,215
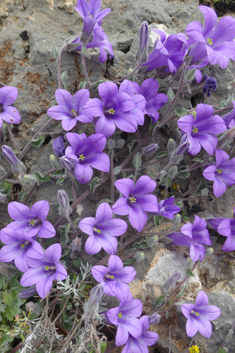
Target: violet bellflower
x,y
114,278
8,113
117,109
167,54
148,90
32,221
125,317
222,173
199,316
102,230
214,43
167,209
136,200
99,40
19,247
91,9
147,338
229,118
193,235
201,129
87,31
86,153
71,109
43,272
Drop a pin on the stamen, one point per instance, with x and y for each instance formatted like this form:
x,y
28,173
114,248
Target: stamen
x,y
219,171
209,41
120,315
132,199
195,129
96,230
32,222
111,111
195,313
81,157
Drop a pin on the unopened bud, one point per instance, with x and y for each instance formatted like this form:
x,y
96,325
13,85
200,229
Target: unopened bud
x,y
110,144
172,172
154,319
35,308
76,244
171,145
96,294
29,179
3,197
209,252
64,206
177,221
153,241
139,256
55,161
150,149
59,146
229,335
67,164
87,31
119,143
171,281
142,53
9,155
27,293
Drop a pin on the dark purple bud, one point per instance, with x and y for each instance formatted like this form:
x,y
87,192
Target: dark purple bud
x,y
95,295
58,146
210,84
87,31
154,319
142,54
150,149
27,293
67,164
9,155
171,281
183,145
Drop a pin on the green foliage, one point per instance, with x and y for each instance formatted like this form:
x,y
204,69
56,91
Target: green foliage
x,y
38,141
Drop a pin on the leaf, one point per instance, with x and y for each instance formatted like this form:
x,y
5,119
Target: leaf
x,y
129,261
137,160
41,178
117,170
39,141
54,52
183,175
161,154
167,315
10,298
190,74
170,93
7,188
221,350
77,262
153,127
103,346
190,273
60,180
181,112
157,220
159,300
94,183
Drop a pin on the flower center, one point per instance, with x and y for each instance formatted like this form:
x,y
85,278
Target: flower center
x,y
195,313
209,41
194,349
1,108
132,199
111,111
81,157
23,245
48,268
96,230
109,276
120,315
74,113
195,129
35,222
219,171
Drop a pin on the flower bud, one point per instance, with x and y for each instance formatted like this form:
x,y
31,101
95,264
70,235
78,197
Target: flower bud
x,y
55,161
87,31
150,149
171,145
210,85
67,164
172,172
139,256
35,308
64,206
29,179
153,241
3,197
229,335
9,155
209,252
154,319
142,53
27,293
177,221
95,295
59,146
76,244
172,280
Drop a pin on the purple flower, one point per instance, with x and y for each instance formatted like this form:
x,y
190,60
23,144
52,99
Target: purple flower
x,y
226,228
31,221
19,247
142,53
167,209
168,53
99,40
92,10
102,230
87,31
44,271
125,317
200,130
193,235
229,118
9,155
148,90
8,113
199,316
214,42
136,200
86,153
147,338
222,173
117,109
71,109
58,146
210,84
114,277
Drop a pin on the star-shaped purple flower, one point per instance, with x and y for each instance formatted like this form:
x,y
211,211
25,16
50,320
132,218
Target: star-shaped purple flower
x,y
147,338
222,173
102,230
44,271
226,227
71,109
214,42
114,277
19,247
32,221
229,118
167,209
92,9
200,130
193,235
125,317
199,316
136,200
86,153
8,113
